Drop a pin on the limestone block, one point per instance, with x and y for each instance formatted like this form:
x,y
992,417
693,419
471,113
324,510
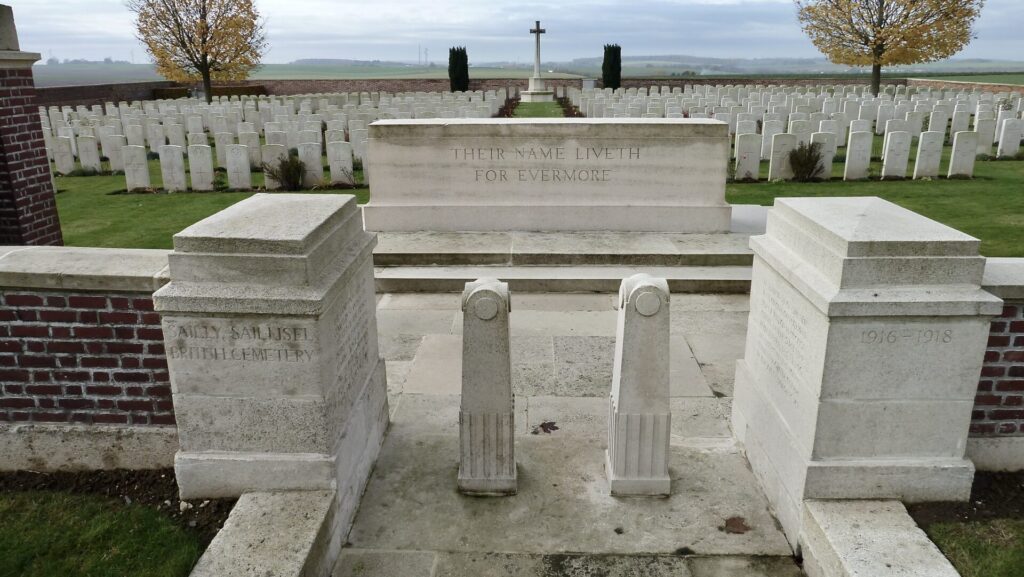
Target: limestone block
x,y
200,166
639,422
779,167
965,152
929,154
487,464
172,168
136,168
237,160
866,334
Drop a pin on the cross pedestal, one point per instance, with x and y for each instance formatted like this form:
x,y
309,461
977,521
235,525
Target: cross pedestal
x,y
537,92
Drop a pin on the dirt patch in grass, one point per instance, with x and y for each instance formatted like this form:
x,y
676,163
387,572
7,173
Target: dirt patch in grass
x,y
155,488
993,496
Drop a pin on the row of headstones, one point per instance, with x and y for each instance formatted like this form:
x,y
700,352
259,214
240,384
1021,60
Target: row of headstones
x,y
639,416
237,161
895,156
751,148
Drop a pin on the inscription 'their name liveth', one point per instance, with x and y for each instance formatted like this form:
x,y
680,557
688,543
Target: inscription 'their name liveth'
x,y
583,154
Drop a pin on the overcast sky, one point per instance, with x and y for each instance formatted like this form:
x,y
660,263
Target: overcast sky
x,y
492,31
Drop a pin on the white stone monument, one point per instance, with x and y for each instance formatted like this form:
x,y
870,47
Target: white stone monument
x,y
200,166
929,154
866,336
239,174
172,168
487,463
964,154
639,416
537,92
549,174
136,168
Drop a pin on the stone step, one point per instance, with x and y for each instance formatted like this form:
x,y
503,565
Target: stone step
x,y
681,279
380,563
546,249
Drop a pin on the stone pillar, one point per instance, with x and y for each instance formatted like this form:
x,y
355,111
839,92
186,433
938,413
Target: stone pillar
x,y
487,463
28,210
639,416
866,336
271,340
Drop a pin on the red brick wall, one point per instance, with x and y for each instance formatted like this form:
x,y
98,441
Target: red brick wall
x,y
98,93
28,211
999,406
76,357
970,86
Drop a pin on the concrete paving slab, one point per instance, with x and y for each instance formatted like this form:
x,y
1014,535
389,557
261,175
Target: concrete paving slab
x,y
559,565
563,302
392,322
373,563
424,248
399,347
563,493
701,417
421,301
721,566
437,367
397,372
583,366
685,376
710,302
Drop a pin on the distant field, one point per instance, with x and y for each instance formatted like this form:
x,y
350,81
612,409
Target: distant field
x,y
80,74
992,78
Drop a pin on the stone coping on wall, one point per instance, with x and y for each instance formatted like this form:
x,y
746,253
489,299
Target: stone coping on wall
x,y
86,269
1004,277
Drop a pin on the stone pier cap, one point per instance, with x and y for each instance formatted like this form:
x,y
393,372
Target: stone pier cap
x,y
269,254
853,256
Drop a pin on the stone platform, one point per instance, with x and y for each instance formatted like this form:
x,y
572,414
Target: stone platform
x,y
563,521
561,262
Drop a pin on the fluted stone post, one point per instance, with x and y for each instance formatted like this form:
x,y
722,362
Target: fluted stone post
x,y
640,419
486,424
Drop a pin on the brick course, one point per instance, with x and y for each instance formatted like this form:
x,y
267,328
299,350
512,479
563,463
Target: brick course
x,y
82,358
999,405
28,211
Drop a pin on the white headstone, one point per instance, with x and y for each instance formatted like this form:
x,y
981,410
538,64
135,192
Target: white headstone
x,y
1010,137
172,168
221,141
309,154
63,156
965,152
237,159
827,141
272,155
896,155
487,464
339,157
252,141
779,167
640,419
986,129
768,130
929,154
200,166
89,154
748,156
858,155
136,168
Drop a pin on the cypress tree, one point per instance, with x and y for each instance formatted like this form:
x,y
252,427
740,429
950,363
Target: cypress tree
x,y
611,68
458,69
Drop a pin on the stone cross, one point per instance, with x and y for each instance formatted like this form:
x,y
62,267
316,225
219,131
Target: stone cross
x,y
537,31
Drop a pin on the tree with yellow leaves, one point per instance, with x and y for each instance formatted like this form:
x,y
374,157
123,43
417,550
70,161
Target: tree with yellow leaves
x,y
880,33
201,40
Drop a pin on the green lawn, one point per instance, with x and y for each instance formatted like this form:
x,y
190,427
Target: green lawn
x,y
989,207
983,548
538,110
45,534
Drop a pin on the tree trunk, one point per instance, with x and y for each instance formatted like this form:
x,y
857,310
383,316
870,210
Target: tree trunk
x,y
207,86
876,78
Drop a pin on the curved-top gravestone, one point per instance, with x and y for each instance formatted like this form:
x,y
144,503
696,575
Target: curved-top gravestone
x,y
551,174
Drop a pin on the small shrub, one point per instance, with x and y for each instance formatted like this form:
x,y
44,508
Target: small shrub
x,y
357,164
153,155
288,171
805,160
83,172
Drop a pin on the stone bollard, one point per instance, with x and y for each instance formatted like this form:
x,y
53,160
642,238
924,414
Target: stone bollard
x,y
486,423
639,420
